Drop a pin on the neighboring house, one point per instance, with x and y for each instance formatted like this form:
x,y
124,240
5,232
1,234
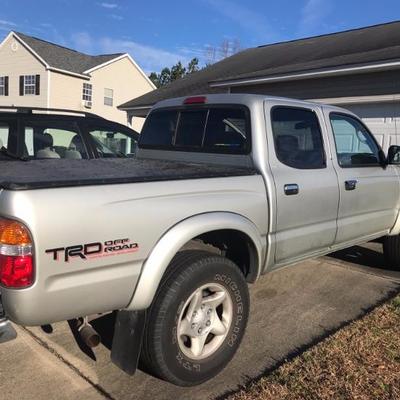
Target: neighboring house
x,y
358,69
37,73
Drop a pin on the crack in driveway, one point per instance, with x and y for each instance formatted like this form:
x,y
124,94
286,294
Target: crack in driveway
x,y
76,370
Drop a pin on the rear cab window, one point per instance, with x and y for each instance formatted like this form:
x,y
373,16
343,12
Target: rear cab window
x,y
207,129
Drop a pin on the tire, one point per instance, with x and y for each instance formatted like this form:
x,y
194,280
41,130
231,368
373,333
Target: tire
x,y
195,281
391,251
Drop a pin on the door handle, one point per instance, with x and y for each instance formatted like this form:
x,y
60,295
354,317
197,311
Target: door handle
x,y
291,189
350,185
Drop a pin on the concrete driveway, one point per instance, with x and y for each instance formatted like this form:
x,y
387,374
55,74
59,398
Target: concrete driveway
x,y
292,309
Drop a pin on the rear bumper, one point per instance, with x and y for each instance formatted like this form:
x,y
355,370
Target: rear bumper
x,y
7,331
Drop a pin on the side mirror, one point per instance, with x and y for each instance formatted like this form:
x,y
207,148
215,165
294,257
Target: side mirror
x,y
393,155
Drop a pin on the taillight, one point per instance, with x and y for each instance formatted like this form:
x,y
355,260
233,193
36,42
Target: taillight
x,y
195,100
16,255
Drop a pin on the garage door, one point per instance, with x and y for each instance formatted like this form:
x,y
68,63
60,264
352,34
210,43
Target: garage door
x,y
383,119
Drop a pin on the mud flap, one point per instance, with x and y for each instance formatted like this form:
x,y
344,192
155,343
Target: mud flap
x,y
127,340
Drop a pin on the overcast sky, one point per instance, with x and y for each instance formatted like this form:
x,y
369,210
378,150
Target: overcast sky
x,y
159,33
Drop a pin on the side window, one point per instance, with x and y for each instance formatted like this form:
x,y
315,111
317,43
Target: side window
x,y
9,137
4,132
297,138
53,140
355,145
110,143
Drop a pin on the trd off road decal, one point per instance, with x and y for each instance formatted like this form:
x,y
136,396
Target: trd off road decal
x,y
94,250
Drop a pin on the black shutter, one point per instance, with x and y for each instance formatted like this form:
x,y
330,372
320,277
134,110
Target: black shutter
x,y
21,85
37,88
6,86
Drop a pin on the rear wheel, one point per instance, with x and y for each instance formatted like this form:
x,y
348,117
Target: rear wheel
x,y
197,319
391,251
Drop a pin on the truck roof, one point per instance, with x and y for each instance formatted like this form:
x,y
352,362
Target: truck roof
x,y
244,98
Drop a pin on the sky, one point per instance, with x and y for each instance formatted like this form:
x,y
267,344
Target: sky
x,y
160,33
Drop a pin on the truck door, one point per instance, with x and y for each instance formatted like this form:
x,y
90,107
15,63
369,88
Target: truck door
x,y
369,192
307,194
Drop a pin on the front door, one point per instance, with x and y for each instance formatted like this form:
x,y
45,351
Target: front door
x,y
369,192
307,194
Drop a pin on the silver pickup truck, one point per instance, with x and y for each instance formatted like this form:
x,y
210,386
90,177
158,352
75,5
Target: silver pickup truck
x,y
223,188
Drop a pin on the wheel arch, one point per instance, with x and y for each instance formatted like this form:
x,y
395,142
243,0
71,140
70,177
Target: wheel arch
x,y
203,227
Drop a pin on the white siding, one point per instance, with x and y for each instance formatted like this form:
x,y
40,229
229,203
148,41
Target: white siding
x,y
16,61
66,91
126,81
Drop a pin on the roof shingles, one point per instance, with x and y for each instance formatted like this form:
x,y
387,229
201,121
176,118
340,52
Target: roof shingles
x,y
63,58
354,47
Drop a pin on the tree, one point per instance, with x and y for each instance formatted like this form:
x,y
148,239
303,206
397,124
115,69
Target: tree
x,y
177,71
165,76
154,77
193,66
226,49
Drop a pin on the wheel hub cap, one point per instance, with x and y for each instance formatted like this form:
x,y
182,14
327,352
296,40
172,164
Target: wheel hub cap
x,y
204,321
201,320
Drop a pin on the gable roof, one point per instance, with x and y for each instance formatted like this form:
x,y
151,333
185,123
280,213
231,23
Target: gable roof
x,y
63,58
350,51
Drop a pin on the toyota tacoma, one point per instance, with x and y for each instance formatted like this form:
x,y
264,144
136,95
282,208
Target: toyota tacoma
x,y
223,188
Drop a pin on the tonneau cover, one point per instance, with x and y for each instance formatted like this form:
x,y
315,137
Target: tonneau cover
x,y
55,173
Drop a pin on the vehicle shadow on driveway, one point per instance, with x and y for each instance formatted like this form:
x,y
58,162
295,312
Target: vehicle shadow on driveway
x,y
368,255
292,309
367,258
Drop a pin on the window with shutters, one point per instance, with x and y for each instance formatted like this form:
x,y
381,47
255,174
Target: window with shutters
x,y
29,84
2,85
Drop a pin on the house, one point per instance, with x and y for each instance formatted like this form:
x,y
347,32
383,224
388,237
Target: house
x,y
34,72
357,69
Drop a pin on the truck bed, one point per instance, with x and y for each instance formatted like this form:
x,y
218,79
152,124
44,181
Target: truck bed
x,y
43,174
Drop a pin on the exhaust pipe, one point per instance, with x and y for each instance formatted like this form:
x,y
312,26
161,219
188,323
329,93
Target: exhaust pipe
x,y
88,335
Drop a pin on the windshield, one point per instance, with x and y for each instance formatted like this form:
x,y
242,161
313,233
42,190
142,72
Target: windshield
x,y
111,143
